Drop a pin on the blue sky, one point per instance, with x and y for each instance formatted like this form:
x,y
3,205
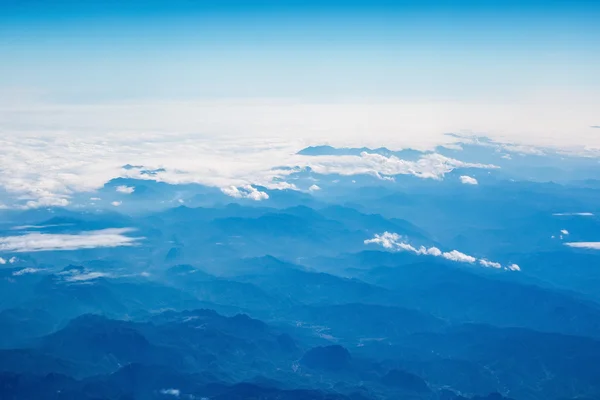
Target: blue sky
x,y
72,51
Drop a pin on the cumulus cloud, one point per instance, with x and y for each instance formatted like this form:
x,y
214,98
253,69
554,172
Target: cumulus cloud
x,y
116,203
489,264
564,232
394,241
2,261
35,241
314,188
584,245
467,180
456,255
514,267
125,189
245,192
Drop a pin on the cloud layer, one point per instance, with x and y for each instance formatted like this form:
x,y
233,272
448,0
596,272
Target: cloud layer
x,y
35,241
393,241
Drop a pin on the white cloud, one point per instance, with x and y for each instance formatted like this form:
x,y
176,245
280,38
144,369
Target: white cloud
x,y
25,271
564,232
584,245
429,166
86,276
116,203
387,239
456,255
245,192
467,180
171,392
35,241
314,188
393,241
13,260
125,189
95,198
47,201
514,267
577,214
2,261
93,141
490,264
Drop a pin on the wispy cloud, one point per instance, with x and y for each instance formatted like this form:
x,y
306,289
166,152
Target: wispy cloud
x,y
574,214
584,245
26,271
35,241
394,241
86,276
467,180
245,192
171,392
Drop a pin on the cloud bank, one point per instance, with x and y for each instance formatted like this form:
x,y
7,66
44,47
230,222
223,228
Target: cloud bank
x,y
35,241
393,241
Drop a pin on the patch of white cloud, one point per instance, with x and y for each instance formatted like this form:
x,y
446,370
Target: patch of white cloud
x,y
2,261
429,166
171,392
86,276
245,192
26,271
467,180
584,245
116,203
489,264
456,255
36,227
513,267
35,241
394,241
125,189
314,188
574,214
564,232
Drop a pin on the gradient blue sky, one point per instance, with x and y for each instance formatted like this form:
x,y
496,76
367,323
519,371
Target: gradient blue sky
x,y
95,51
